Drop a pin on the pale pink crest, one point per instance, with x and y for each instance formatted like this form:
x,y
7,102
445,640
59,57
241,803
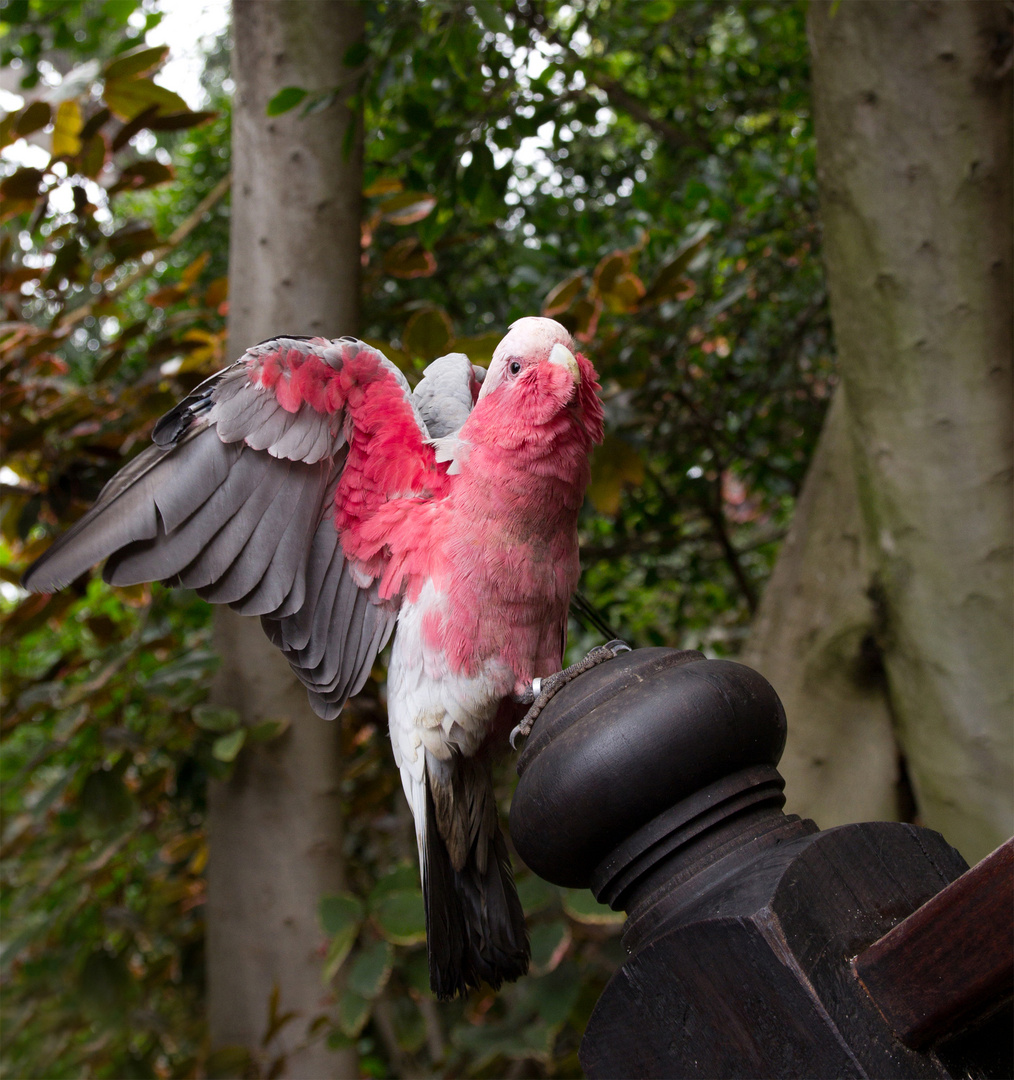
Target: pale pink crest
x,y
531,338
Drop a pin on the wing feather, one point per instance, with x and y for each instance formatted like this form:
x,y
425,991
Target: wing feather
x,y
245,574
212,569
237,499
324,567
446,393
163,556
193,474
241,413
288,561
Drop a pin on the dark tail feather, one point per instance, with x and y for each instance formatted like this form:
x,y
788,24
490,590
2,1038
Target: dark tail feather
x,y
475,925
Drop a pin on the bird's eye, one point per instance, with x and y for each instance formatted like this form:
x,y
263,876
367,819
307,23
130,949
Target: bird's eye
x,y
514,367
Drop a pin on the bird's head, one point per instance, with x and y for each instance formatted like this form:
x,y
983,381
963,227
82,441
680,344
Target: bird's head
x,y
536,375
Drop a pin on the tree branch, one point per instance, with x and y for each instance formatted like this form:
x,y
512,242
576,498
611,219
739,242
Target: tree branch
x,y
434,1029
713,511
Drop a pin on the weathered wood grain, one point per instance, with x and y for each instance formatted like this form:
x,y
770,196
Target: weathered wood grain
x,y
951,961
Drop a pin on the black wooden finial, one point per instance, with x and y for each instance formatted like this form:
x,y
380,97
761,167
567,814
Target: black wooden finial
x,y
647,765
651,780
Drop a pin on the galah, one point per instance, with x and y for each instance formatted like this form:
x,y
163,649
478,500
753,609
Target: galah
x,y
307,484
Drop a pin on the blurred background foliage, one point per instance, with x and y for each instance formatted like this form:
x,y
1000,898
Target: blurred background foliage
x,y
643,172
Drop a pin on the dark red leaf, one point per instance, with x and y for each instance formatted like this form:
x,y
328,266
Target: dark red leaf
x,y
32,118
23,184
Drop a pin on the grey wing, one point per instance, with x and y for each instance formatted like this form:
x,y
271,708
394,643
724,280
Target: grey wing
x,y
446,393
235,500
333,638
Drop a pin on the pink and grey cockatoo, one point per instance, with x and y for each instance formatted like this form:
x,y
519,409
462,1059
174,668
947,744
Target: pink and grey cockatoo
x,y
308,485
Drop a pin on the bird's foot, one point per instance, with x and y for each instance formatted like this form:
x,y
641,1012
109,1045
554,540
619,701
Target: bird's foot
x,y
543,690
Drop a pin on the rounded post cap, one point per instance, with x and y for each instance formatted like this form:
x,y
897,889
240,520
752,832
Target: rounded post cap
x,y
627,741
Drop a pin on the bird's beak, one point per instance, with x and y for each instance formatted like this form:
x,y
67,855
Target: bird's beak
x,y
560,354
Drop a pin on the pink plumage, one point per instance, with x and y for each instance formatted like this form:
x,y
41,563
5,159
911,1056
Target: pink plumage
x,y
302,484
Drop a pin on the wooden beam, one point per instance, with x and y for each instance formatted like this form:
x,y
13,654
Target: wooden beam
x,y
951,962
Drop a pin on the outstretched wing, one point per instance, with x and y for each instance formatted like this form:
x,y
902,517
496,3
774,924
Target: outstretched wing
x,y
237,499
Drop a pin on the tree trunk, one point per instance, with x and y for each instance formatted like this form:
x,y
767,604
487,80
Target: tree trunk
x,y
913,115
814,639
275,826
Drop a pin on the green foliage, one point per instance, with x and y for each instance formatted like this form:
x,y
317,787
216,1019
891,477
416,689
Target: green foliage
x,y
105,756
103,777
35,31
641,171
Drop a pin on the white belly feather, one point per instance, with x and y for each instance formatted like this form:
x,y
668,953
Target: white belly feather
x,y
432,711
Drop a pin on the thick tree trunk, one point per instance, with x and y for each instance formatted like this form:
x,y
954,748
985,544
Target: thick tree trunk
x,y
815,639
913,114
275,826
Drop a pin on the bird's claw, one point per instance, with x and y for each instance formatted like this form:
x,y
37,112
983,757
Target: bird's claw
x,y
545,689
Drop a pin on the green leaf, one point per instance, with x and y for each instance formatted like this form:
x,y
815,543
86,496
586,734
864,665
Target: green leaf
x,y
94,156
478,347
656,11
406,208
105,983
427,333
129,241
401,917
610,267
136,62
409,1025
341,916
670,278
285,100
213,718
353,1012
356,54
338,1040
181,120
371,969
128,98
132,127
403,877
408,259
556,994
479,169
104,799
534,1040
226,747
140,175
339,948
415,970
582,906
276,1020
491,15
615,465
268,730
7,132
339,911
561,296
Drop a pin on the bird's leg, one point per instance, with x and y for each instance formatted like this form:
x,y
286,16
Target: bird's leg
x,y
542,691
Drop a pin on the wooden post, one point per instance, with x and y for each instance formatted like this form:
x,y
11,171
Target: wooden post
x,y
652,781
